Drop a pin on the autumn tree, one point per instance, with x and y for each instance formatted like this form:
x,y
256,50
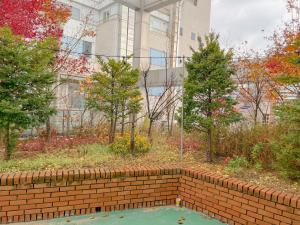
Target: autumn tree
x,y
157,107
256,88
34,19
40,19
113,91
283,57
25,78
208,89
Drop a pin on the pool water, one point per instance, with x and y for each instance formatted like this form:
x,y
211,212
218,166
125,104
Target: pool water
x,y
150,216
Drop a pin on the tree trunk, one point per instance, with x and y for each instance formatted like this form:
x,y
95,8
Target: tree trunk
x,y
150,129
48,129
255,114
110,135
123,120
7,142
132,135
111,128
209,149
115,126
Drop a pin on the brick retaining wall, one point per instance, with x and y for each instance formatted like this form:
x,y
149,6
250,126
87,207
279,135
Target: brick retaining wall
x,y
31,196
236,202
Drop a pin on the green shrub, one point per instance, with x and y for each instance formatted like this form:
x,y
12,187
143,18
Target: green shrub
x,y
236,164
252,142
122,145
287,147
262,155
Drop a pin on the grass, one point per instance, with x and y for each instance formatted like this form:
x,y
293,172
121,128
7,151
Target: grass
x,y
97,155
94,155
58,160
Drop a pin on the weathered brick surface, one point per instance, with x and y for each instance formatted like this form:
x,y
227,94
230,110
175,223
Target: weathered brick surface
x,y
30,196
44,195
236,202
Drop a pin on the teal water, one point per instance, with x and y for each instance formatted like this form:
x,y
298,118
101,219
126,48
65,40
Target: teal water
x,y
151,216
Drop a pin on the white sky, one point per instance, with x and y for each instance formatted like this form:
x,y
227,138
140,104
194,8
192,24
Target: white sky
x,y
247,20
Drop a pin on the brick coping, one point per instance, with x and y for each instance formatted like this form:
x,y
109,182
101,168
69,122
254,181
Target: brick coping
x,y
269,194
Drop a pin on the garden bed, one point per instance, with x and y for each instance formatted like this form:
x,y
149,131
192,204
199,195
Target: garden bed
x,y
98,155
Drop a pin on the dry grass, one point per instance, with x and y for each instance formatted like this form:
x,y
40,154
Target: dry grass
x,y
96,155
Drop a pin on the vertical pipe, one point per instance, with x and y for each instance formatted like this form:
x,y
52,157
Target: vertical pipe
x,y
127,34
182,111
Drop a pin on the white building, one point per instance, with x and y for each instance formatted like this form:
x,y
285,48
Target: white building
x,y
142,28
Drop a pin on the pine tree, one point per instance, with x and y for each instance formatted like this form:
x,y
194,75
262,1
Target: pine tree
x,y
114,92
25,82
287,146
208,89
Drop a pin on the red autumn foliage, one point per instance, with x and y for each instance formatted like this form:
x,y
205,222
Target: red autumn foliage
x,y
283,56
34,19
189,144
57,143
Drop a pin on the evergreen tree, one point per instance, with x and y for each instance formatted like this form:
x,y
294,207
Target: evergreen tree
x,y
114,92
287,146
25,81
208,89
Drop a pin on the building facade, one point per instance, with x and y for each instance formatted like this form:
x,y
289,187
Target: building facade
x,y
157,33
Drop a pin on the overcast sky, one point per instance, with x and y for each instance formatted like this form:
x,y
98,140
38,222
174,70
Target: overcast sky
x,y
243,20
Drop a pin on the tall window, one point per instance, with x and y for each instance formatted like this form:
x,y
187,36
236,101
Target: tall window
x,y
195,2
87,48
156,91
106,15
75,13
76,98
157,57
77,47
158,24
266,118
193,36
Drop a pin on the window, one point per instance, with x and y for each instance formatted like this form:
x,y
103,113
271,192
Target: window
x,y
87,48
158,57
75,13
95,18
266,118
193,36
195,2
70,43
181,31
158,24
76,47
156,91
106,16
76,98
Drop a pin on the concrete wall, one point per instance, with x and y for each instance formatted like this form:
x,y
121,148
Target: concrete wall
x,y
193,19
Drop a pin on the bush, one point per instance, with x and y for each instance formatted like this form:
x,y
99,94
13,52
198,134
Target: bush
x,y
122,145
242,140
287,146
236,164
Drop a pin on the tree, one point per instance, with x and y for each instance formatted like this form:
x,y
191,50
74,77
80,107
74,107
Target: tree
x,y
160,105
25,78
256,87
114,90
34,19
40,19
287,146
207,89
283,57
